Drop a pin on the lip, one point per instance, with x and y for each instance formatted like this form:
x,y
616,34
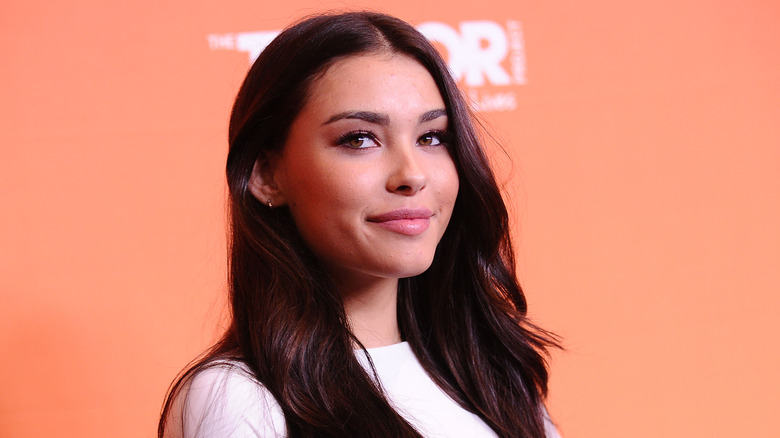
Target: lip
x,y
406,221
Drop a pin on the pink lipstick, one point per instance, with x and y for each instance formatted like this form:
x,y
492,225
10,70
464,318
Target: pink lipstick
x,y
406,221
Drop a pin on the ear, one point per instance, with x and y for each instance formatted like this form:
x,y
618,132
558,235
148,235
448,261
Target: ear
x,y
263,185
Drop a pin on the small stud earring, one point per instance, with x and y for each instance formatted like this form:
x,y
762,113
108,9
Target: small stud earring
x,y
270,205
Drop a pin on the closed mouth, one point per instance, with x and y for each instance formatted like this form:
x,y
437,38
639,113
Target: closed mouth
x,y
402,214
405,221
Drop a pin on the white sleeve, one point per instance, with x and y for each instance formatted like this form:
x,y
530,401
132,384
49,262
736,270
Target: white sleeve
x,y
550,431
226,401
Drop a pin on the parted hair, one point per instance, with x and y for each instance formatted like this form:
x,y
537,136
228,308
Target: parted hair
x,y
464,318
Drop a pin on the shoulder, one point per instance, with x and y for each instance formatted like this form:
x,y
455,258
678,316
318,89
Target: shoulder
x,y
550,431
224,399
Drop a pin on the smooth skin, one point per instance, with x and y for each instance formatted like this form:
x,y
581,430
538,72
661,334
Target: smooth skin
x,y
367,174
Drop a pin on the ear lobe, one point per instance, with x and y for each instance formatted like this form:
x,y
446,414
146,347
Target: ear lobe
x,y
263,186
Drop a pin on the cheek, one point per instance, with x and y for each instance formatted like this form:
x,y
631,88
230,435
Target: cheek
x,y
328,205
307,182
327,194
337,187
448,194
448,183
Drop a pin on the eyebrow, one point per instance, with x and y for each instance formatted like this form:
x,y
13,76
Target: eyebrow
x,y
432,115
383,119
368,116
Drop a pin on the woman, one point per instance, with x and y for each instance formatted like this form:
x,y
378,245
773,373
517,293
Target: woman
x,y
372,280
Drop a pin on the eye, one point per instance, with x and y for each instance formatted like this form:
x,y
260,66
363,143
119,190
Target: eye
x,y
357,140
432,139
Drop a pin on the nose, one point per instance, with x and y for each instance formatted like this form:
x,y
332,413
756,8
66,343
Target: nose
x,y
407,174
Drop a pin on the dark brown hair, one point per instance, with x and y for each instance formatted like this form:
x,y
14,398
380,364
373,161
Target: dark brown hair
x,y
464,318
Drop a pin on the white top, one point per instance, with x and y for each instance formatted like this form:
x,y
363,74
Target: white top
x,y
226,401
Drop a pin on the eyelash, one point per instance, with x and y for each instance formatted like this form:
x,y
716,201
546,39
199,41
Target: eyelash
x,y
443,136
345,139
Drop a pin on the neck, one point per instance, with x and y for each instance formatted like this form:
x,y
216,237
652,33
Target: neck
x,y
371,308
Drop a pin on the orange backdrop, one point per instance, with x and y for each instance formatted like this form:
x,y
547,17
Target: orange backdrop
x,y
642,169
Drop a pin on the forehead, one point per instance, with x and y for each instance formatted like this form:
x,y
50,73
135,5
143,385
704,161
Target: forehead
x,y
385,82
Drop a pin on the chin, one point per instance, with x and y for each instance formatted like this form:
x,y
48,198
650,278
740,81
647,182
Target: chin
x,y
413,270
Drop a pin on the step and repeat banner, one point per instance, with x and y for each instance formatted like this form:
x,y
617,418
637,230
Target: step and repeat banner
x,y
638,144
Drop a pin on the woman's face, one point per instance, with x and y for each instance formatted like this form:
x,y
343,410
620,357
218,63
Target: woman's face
x,y
366,170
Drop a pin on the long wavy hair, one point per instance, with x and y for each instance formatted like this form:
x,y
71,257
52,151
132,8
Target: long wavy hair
x,y
464,318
